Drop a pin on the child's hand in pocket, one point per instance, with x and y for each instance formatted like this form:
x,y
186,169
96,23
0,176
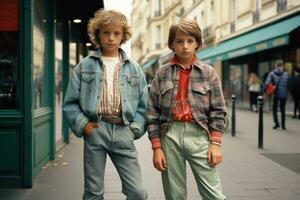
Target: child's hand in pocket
x,y
88,129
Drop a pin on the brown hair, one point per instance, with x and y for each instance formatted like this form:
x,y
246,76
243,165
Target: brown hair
x,y
103,18
189,27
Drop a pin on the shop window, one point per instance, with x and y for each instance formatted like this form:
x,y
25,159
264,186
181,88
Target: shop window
x,y
9,55
40,54
58,84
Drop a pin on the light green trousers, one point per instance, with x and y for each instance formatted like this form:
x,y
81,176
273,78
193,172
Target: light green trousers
x,y
189,142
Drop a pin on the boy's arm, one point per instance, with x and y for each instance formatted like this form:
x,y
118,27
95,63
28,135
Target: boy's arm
x,y
217,111
138,126
153,114
71,107
267,81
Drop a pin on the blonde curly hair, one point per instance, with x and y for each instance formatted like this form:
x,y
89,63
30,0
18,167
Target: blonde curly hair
x,y
103,18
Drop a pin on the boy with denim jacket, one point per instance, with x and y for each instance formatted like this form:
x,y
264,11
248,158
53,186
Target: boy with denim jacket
x,y
186,117
106,104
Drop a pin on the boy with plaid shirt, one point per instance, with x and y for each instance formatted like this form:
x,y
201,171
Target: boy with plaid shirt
x,y
186,117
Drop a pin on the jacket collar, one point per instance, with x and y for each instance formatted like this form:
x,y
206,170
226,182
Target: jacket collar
x,y
98,53
195,62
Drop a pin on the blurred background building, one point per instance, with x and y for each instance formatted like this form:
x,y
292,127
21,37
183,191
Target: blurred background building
x,y
239,37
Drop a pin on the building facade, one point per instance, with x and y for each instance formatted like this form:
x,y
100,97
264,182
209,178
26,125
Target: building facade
x,y
239,37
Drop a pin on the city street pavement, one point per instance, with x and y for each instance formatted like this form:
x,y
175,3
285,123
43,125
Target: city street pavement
x,y
247,173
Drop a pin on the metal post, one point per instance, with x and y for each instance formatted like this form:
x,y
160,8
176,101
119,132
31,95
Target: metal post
x,y
260,122
233,116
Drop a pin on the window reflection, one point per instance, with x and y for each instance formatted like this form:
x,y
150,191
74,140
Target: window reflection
x,y
58,87
8,70
39,53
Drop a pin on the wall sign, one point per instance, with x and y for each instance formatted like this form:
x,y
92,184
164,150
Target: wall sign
x,y
9,15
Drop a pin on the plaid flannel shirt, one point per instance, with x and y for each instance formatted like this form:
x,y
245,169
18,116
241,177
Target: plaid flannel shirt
x,y
115,108
204,95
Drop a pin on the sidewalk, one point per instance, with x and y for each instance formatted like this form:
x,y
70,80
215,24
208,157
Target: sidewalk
x,y
248,173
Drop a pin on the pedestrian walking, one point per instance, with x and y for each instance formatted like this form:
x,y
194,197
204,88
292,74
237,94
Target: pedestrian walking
x,y
186,117
280,78
295,92
105,103
254,87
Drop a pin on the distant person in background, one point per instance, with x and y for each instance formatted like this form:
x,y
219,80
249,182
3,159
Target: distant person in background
x,y
254,87
295,92
280,78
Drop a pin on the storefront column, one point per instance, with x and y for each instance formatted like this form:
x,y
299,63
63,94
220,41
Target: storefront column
x,y
28,87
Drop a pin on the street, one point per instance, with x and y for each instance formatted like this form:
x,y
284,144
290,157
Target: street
x,y
247,173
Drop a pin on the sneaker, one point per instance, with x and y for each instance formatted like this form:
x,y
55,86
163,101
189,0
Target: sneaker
x,y
276,127
284,128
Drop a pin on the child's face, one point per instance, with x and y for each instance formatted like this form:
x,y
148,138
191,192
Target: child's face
x,y
110,39
184,46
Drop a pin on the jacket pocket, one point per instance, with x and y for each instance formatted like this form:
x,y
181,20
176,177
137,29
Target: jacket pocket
x,y
166,87
87,88
133,80
165,99
88,77
202,88
201,94
132,88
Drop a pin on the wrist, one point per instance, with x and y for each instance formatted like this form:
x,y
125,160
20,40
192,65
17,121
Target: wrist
x,y
216,143
156,144
156,149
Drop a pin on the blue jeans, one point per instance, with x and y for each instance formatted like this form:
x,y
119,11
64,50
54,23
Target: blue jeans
x,y
117,142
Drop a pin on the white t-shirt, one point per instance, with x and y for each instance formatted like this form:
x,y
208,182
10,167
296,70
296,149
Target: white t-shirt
x,y
255,87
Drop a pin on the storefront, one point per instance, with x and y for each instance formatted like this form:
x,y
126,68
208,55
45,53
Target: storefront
x,y
256,52
36,48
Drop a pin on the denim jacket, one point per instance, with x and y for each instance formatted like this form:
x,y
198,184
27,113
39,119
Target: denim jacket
x,y
85,88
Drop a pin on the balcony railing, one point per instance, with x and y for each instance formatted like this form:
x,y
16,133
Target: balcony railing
x,y
281,5
255,16
232,27
208,33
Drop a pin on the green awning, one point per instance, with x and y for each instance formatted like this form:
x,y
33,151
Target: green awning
x,y
258,40
149,63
